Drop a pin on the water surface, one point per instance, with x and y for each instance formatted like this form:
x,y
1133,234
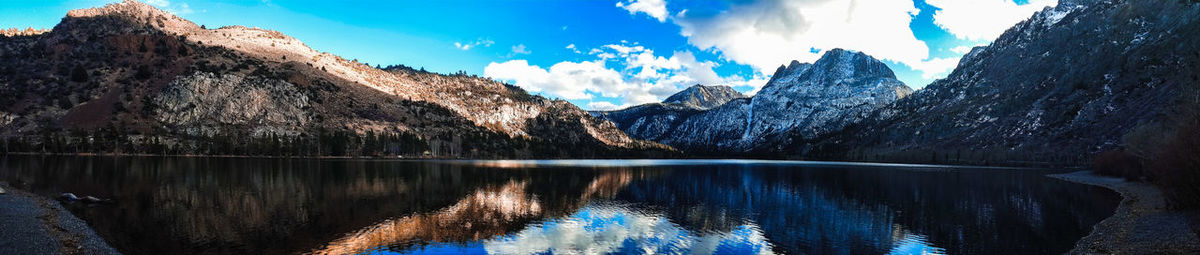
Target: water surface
x,y
290,206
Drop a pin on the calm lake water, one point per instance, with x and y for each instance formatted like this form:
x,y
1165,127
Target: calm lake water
x,y
290,206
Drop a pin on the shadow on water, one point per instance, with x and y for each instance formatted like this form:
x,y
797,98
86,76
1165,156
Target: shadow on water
x,y
287,206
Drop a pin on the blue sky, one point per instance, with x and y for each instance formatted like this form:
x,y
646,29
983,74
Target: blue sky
x,y
607,54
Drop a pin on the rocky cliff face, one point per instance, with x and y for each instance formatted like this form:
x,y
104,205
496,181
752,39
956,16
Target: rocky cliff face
x,y
811,100
129,69
839,89
201,103
649,121
654,121
704,97
1072,80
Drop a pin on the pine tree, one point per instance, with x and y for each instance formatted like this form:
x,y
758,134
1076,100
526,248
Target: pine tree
x,y
79,74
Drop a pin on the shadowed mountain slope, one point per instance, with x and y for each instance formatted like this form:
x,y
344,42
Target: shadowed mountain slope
x,y
128,77
1071,81
814,99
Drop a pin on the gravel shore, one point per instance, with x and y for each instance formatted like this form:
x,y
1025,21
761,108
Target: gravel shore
x,y
34,224
1141,224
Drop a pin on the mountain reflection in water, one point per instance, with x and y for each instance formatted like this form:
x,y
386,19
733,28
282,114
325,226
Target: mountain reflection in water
x,y
286,206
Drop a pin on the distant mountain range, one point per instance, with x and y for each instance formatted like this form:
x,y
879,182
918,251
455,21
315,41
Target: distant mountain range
x,y
1073,80
805,99
130,78
654,121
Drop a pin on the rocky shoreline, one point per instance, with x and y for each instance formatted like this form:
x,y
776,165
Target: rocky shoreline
x,y
35,224
1140,225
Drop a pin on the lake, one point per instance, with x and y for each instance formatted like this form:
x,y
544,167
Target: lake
x,y
180,205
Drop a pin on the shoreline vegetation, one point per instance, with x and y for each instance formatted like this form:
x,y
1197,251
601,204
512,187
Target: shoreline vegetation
x,y
997,164
321,145
1141,224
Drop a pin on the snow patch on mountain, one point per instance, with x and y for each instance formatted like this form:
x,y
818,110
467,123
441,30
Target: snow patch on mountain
x,y
800,100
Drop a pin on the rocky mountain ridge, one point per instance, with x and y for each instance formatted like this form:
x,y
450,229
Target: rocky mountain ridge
x,y
839,89
704,97
146,76
1073,80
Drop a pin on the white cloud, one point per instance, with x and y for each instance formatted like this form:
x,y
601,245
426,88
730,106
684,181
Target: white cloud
x,y
961,49
159,3
568,80
573,48
604,106
625,49
755,83
603,55
650,64
694,71
177,9
476,43
935,68
518,49
769,33
638,76
983,19
655,8
184,8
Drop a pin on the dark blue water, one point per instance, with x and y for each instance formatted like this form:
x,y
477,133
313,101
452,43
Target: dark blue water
x,y
286,206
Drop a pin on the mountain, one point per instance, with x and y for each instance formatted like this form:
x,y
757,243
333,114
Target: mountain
x,y
1073,80
653,121
840,88
128,77
704,97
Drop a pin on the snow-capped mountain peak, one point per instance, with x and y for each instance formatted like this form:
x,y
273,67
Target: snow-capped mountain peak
x,y
801,98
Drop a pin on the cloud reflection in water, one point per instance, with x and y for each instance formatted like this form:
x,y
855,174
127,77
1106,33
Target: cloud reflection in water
x,y
606,229
276,206
913,244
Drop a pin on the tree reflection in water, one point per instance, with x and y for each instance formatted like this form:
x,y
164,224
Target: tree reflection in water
x,y
277,206
480,215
